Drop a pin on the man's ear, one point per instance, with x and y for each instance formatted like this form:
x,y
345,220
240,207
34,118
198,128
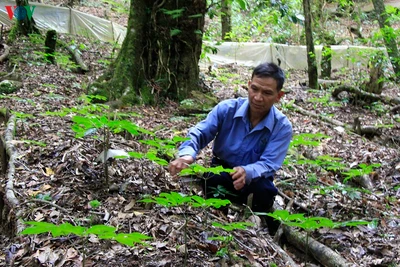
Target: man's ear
x,y
280,94
248,84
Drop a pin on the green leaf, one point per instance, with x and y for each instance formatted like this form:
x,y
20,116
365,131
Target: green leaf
x,y
242,4
174,32
94,204
67,228
131,239
233,226
102,231
136,155
38,228
196,16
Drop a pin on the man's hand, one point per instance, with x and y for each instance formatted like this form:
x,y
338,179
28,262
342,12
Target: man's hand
x,y
179,164
239,177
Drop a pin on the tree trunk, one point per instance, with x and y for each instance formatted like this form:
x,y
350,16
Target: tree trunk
x,y
160,53
311,60
50,45
326,62
25,22
375,83
226,24
389,36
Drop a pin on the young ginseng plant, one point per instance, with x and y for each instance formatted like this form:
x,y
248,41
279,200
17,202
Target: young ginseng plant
x,y
101,231
174,199
227,240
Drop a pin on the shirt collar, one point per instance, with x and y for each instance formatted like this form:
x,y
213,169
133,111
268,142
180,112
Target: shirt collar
x,y
267,122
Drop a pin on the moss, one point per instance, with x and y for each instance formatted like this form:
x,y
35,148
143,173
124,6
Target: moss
x,y
146,96
131,98
9,87
13,34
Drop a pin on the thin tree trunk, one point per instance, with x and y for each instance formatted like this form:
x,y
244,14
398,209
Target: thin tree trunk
x,y
311,60
389,37
226,19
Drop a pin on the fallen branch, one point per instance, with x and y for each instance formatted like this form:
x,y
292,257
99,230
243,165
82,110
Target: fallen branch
x,y
9,204
47,203
358,129
83,68
75,53
4,56
10,150
365,95
395,109
323,254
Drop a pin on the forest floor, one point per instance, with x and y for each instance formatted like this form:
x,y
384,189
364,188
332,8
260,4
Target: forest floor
x,y
58,175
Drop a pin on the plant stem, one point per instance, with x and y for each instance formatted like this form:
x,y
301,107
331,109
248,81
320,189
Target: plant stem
x,y
106,144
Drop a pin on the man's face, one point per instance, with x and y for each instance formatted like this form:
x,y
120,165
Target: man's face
x,y
263,94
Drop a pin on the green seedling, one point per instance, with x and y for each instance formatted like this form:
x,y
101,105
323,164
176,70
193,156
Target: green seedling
x,y
175,199
350,192
101,231
311,223
196,169
226,240
35,143
220,191
94,204
362,169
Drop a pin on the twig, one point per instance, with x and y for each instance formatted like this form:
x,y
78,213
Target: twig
x,y
9,74
285,181
47,203
294,201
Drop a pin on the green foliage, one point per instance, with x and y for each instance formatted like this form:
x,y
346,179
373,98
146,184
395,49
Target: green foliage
x,y
312,223
307,139
327,162
233,226
175,199
33,142
117,7
174,32
226,239
83,125
325,101
360,171
7,87
220,191
173,13
196,169
350,192
94,204
101,231
22,115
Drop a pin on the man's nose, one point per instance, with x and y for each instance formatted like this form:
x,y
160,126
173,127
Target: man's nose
x,y
258,97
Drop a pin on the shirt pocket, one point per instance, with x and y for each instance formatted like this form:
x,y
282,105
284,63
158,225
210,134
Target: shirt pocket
x,y
260,146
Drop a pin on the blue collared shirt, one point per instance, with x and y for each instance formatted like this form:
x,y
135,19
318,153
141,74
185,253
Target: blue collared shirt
x,y
260,151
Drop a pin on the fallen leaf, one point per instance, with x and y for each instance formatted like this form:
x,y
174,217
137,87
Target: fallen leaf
x,y
130,205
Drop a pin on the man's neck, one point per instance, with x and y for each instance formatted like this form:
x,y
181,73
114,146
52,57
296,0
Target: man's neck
x,y
256,118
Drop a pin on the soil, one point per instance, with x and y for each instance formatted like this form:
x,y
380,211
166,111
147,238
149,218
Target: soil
x,y
58,175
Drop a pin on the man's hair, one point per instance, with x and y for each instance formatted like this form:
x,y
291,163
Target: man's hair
x,y
270,70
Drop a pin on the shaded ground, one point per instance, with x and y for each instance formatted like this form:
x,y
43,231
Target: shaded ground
x,y
54,166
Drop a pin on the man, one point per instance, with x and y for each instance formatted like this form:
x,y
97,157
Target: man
x,y
250,135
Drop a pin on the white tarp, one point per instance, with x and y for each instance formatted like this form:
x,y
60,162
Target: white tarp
x,y
290,56
67,20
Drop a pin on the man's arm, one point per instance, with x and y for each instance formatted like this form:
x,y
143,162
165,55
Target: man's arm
x,y
200,135
272,157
